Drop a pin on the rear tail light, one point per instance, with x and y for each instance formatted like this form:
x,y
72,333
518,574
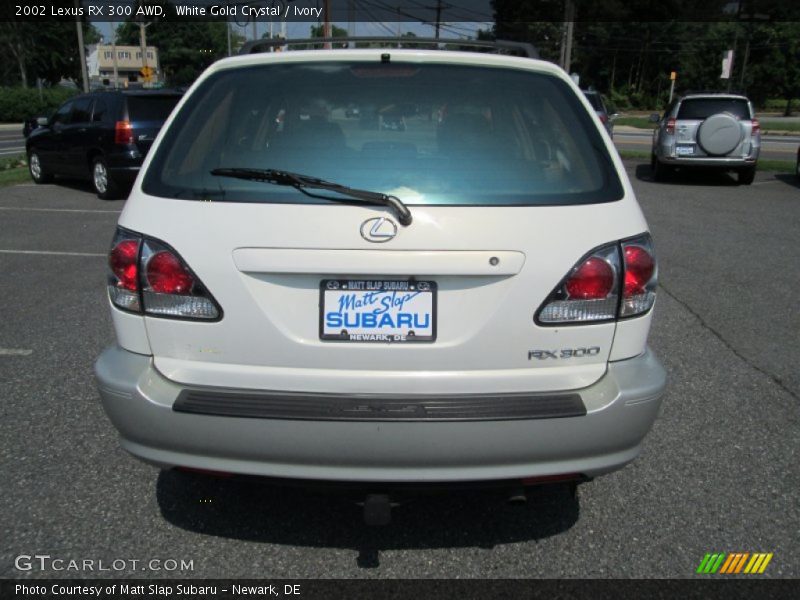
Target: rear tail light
x,y
149,277
756,126
671,125
603,119
123,283
614,281
590,292
641,276
123,133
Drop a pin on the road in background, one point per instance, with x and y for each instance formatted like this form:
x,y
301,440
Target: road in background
x,y
777,147
773,147
718,473
12,142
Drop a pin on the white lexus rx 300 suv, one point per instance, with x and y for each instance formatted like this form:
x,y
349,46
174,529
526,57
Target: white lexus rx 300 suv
x,y
452,283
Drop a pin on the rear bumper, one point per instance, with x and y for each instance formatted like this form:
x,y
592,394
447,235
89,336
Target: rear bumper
x,y
124,170
124,165
126,174
725,163
666,154
623,406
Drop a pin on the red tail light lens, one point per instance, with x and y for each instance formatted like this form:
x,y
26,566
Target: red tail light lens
x,y
756,126
641,278
603,119
123,133
123,261
671,126
593,280
639,268
123,281
170,289
166,275
147,276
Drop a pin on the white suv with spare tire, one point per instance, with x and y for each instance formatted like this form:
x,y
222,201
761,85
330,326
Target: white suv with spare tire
x,y
707,130
299,292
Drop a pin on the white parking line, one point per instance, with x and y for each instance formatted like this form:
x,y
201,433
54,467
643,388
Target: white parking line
x,y
15,352
52,252
74,210
12,150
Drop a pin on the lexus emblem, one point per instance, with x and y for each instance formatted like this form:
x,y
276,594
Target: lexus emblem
x,y
378,230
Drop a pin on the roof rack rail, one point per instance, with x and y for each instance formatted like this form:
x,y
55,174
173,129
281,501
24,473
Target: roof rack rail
x,y
499,46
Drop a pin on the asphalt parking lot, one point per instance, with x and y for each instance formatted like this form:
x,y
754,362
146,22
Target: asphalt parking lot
x,y
718,472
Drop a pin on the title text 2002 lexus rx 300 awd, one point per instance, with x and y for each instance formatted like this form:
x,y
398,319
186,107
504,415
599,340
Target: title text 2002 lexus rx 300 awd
x,y
300,291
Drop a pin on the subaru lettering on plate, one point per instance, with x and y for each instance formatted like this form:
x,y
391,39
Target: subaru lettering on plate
x,y
377,311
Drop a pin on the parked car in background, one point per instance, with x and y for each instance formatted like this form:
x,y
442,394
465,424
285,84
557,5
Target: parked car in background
x,y
601,109
707,130
102,136
454,300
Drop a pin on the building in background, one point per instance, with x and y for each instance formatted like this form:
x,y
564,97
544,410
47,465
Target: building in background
x,y
132,69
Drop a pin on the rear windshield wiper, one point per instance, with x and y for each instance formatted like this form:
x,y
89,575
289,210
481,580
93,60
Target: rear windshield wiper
x,y
302,182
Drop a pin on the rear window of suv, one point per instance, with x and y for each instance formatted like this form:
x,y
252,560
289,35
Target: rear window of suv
x,y
702,108
429,134
151,108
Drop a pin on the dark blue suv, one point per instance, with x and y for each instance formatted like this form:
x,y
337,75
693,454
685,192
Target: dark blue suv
x,y
102,136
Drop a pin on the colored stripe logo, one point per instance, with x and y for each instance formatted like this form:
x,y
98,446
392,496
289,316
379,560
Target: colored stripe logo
x,y
734,562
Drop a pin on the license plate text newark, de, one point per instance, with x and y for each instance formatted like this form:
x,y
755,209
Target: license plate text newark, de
x,y
377,311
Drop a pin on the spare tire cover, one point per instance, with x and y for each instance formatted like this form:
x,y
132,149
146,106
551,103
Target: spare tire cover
x,y
719,134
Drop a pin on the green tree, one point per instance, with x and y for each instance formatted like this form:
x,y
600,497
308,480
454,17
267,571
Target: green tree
x,y
628,48
48,50
773,69
316,31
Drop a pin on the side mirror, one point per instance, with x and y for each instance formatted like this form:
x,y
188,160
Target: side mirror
x,y
654,118
42,121
613,116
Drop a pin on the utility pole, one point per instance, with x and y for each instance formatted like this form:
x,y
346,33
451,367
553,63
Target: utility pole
x,y
399,31
143,46
672,77
568,30
438,16
143,43
744,63
326,23
114,54
81,51
228,31
351,22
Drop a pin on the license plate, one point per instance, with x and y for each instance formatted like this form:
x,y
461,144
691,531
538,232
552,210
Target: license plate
x,y
361,310
684,150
